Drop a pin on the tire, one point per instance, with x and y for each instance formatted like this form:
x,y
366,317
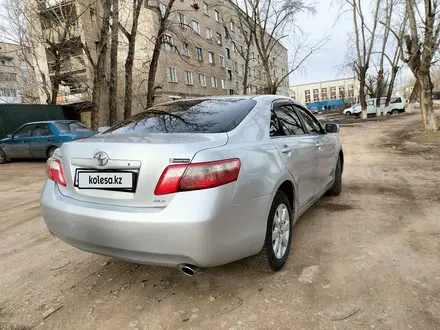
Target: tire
x,y
3,157
348,113
50,152
395,112
335,190
267,260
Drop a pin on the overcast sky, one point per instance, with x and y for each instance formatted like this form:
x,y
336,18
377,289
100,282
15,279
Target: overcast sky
x,y
323,65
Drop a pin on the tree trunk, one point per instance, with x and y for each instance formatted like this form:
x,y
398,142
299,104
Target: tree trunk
x,y
153,69
113,88
246,73
379,92
96,99
426,104
394,71
129,77
363,101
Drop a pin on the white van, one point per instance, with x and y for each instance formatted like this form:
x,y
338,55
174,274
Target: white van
x,y
395,107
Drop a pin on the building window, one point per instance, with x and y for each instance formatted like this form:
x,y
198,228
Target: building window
x,y
333,89
232,26
316,91
253,55
206,9
199,52
235,66
196,27
208,33
172,75
228,52
234,46
223,84
231,92
211,58
6,92
274,73
242,69
214,82
259,74
202,80
226,32
341,88
188,78
185,51
229,74
307,92
217,15
241,49
222,61
350,86
323,90
219,39
167,42
255,73
182,20
163,8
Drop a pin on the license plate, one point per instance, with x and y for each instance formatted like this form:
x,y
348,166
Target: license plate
x,y
105,180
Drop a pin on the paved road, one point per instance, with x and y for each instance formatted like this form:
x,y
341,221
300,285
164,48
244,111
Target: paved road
x,y
367,259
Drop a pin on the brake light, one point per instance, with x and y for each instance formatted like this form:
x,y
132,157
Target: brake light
x,y
54,171
197,176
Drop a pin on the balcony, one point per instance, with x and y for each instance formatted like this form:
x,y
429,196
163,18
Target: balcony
x,y
51,4
73,98
73,64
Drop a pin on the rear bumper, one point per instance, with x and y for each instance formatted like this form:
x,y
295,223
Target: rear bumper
x,y
201,228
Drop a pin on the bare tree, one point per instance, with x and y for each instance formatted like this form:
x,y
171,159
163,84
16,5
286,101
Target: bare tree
x,y
99,64
129,61
364,42
271,21
421,44
389,4
163,24
113,85
44,26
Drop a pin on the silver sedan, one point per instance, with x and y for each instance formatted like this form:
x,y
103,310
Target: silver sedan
x,y
194,183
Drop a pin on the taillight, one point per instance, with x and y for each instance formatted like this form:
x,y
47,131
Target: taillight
x,y
197,176
54,171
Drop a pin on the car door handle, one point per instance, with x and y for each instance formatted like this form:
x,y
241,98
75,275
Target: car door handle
x,y
286,150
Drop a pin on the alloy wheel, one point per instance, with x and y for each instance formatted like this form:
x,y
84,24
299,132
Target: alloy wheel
x,y
280,231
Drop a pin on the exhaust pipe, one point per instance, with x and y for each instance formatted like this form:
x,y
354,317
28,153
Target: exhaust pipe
x,y
188,270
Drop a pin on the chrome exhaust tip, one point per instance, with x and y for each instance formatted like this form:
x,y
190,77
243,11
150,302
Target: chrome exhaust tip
x,y
188,270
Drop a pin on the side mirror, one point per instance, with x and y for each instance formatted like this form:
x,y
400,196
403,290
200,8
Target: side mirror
x,y
10,136
332,128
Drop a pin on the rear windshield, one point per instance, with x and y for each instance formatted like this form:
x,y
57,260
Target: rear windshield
x,y
72,127
192,116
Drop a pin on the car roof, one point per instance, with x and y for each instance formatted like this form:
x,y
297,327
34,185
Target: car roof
x,y
258,98
50,121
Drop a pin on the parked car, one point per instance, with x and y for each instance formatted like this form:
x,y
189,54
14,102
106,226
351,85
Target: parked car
x,y
40,139
194,183
395,107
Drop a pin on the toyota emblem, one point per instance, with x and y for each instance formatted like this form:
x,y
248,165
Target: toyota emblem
x,y
100,158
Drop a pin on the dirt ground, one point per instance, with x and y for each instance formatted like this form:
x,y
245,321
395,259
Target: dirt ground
x,y
368,259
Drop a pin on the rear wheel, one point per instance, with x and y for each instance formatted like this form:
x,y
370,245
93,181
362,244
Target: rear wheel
x,y
276,246
348,113
3,157
395,112
50,152
335,190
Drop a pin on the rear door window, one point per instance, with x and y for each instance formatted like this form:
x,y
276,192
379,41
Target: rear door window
x,y
289,120
188,116
41,130
310,122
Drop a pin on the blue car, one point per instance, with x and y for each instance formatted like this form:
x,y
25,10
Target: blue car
x,y
39,140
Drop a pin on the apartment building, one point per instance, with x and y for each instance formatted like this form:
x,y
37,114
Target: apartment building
x,y
15,75
346,89
200,53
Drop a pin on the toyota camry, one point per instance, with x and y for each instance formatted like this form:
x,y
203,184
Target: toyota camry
x,y
194,183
